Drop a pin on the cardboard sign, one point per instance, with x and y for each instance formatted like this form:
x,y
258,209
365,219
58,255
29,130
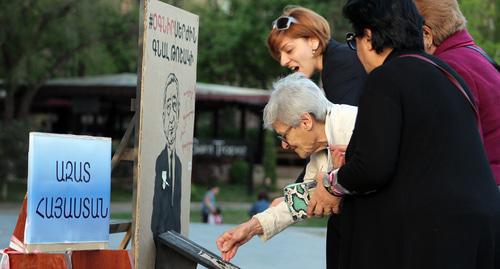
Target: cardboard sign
x,y
69,181
165,133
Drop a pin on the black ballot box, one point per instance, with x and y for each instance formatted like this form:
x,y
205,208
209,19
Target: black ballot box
x,y
186,254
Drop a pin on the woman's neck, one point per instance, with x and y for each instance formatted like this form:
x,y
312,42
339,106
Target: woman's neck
x,y
321,139
319,63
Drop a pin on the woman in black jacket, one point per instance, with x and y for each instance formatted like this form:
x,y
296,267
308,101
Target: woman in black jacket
x,y
416,189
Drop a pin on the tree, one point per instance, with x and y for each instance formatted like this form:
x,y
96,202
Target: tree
x,y
483,24
269,159
50,38
232,47
42,39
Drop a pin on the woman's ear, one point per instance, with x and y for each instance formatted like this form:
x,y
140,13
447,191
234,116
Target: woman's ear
x,y
314,44
306,121
367,39
428,40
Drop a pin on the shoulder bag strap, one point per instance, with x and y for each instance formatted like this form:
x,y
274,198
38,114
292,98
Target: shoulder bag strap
x,y
486,56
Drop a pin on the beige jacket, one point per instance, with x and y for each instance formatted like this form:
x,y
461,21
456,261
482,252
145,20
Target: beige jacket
x,y
339,124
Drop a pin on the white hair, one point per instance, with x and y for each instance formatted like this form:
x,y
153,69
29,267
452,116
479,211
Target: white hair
x,y
293,96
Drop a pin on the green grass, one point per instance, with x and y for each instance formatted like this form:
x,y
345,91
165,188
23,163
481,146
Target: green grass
x,y
120,194
227,193
228,216
121,215
240,216
232,217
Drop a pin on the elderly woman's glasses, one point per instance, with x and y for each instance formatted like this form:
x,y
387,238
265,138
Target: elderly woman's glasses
x,y
350,39
283,136
284,22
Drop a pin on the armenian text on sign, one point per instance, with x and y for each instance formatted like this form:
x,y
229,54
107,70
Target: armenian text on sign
x,y
69,181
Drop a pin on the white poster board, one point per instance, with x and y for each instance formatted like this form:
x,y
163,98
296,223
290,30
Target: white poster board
x,y
69,184
167,98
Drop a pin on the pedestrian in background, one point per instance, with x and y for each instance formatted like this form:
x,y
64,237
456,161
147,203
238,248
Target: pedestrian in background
x,y
209,203
260,205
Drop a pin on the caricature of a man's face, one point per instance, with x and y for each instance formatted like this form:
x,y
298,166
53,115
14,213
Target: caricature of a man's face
x,y
171,110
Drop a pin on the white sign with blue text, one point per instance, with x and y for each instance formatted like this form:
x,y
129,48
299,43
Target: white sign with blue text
x,y
69,181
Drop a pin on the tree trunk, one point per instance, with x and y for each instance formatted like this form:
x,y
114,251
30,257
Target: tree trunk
x,y
26,101
4,191
10,107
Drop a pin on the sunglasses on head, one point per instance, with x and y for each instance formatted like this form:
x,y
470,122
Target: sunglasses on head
x,y
350,39
284,22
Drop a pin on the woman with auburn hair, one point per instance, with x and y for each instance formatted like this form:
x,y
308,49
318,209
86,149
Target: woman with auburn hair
x,y
300,40
446,36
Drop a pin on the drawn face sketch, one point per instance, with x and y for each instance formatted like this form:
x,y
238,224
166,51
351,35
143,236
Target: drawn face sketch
x,y
171,110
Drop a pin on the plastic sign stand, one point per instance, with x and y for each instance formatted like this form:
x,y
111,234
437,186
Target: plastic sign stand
x,y
69,180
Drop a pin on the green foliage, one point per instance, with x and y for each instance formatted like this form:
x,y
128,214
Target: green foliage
x,y
233,38
269,159
14,156
197,192
43,39
13,191
239,172
232,47
49,38
14,149
483,24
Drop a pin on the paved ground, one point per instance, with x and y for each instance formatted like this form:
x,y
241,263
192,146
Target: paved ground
x,y
283,251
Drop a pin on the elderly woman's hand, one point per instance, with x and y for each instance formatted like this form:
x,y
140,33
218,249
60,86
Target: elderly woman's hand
x,y
322,202
338,155
229,242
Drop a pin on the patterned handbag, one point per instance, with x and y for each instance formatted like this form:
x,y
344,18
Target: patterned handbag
x,y
297,197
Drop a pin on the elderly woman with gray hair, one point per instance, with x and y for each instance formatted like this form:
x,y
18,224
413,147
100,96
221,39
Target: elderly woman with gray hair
x,y
307,123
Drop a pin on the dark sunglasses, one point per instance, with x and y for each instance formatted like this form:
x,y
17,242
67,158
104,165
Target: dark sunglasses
x,y
284,22
350,39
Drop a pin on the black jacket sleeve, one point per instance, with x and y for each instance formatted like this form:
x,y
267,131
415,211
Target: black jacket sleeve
x,y
377,136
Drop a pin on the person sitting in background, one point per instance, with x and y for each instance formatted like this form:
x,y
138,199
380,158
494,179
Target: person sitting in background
x,y
446,36
260,205
307,123
209,204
